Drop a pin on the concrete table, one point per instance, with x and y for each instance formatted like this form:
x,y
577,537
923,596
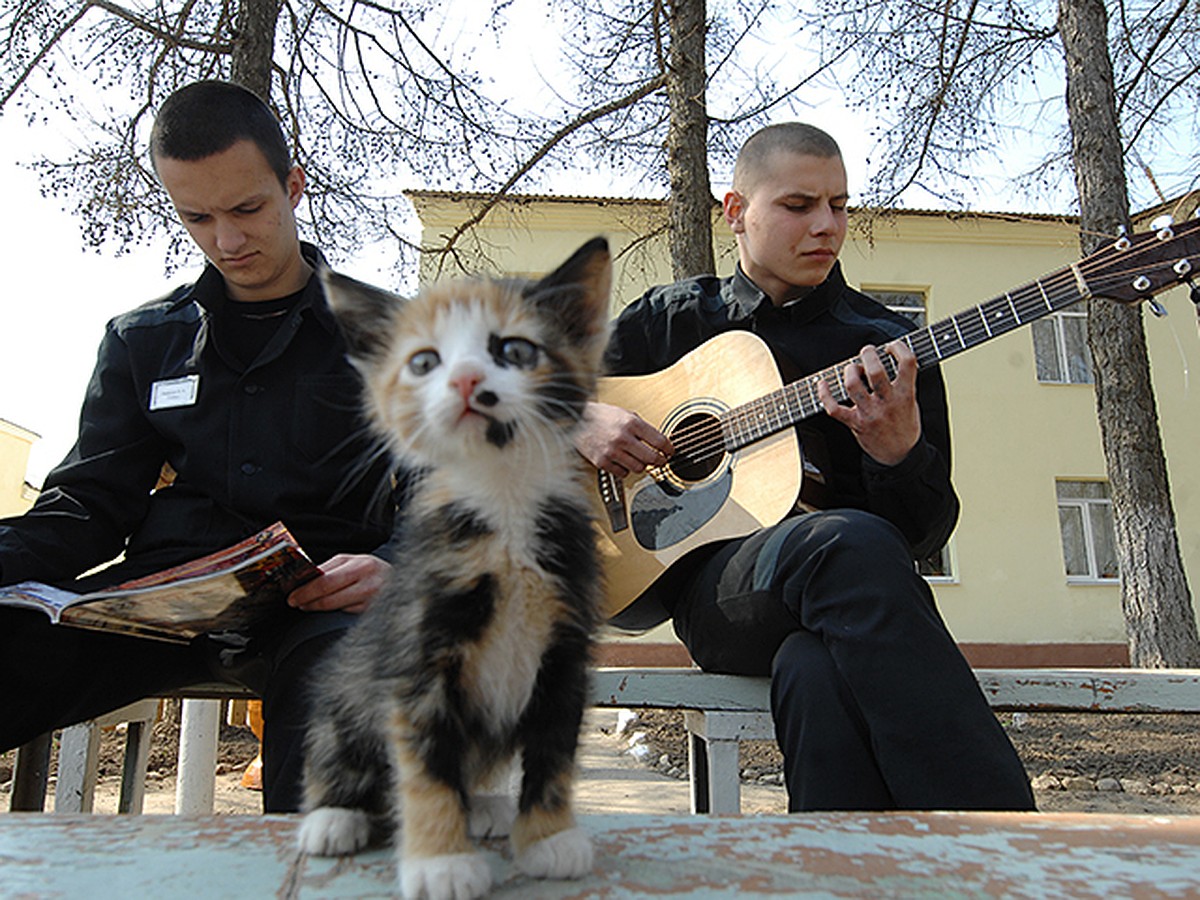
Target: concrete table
x,y
823,855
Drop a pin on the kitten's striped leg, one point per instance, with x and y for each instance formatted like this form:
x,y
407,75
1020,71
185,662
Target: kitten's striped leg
x,y
345,777
546,841
436,861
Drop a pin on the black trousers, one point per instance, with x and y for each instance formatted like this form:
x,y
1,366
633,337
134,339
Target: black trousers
x,y
53,676
874,705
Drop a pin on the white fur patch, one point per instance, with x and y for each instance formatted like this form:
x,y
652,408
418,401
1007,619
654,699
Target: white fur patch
x,y
333,831
567,854
455,876
492,815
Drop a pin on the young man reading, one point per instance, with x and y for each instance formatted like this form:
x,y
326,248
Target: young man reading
x,y
874,706
261,425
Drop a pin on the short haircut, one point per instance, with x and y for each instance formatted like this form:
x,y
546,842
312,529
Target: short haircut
x,y
794,137
209,117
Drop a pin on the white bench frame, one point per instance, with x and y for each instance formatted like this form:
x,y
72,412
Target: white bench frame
x,y
720,711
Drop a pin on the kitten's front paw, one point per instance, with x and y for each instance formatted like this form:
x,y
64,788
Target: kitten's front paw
x,y
455,876
492,815
567,854
333,831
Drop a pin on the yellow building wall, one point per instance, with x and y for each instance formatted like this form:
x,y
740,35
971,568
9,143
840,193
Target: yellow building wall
x,y
1012,436
15,443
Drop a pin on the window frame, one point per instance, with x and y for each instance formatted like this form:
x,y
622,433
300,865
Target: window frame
x,y
1087,522
1056,323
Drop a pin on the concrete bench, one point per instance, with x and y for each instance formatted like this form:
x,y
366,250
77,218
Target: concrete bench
x,y
720,711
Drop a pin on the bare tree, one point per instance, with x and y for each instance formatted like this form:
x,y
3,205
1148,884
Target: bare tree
x,y
638,107
362,88
950,76
1159,619
379,97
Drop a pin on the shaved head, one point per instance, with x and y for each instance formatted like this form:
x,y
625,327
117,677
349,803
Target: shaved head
x,y
794,137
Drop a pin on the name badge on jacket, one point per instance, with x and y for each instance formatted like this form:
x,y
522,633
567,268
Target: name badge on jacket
x,y
173,392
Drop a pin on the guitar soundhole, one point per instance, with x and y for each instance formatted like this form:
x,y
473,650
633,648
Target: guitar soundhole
x,y
698,447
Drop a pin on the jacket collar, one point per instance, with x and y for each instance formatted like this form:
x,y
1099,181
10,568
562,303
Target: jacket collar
x,y
209,290
747,300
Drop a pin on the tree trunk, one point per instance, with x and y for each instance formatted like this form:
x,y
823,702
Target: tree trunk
x,y
1159,619
690,211
254,45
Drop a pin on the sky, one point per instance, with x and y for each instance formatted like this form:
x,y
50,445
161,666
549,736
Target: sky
x,y
60,295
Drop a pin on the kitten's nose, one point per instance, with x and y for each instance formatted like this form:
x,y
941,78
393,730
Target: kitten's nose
x,y
465,383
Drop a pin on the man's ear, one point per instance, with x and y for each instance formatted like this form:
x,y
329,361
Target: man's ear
x,y
734,207
295,185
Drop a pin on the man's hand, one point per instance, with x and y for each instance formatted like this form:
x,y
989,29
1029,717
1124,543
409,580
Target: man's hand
x,y
348,582
883,413
619,441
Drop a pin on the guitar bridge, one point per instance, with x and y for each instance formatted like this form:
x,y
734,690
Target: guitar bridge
x,y
612,495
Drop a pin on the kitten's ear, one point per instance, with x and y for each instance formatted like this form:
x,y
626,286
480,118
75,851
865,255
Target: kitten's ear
x,y
363,311
576,293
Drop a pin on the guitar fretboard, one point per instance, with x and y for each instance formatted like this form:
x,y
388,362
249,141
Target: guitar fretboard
x,y
931,344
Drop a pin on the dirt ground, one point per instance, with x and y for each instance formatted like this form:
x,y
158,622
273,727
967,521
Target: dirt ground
x,y
1077,762
1133,764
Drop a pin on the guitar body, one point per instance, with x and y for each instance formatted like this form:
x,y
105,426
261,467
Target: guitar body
x,y
649,520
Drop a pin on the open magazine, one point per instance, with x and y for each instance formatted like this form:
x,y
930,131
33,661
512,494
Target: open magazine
x,y
229,590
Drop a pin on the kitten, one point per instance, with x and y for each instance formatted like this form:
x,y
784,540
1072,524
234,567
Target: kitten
x,y
478,650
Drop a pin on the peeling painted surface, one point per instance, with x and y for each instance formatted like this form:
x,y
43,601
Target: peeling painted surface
x,y
945,855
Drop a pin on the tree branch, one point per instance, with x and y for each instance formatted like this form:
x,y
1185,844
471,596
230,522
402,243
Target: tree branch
x,y
560,135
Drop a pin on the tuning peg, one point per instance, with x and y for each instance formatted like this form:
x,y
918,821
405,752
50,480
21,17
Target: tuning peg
x,y
1157,308
1161,223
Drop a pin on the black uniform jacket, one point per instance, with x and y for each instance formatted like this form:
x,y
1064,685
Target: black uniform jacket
x,y
280,439
829,325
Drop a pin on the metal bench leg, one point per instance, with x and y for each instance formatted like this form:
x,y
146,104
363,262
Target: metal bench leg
x,y
195,788
698,773
30,774
133,771
78,755
713,763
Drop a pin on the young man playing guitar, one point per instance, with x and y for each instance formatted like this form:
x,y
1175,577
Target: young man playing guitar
x,y
874,705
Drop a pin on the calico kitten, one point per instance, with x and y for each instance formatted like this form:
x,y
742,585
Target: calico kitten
x,y
478,650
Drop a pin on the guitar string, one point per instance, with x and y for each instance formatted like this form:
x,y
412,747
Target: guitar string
x,y
702,442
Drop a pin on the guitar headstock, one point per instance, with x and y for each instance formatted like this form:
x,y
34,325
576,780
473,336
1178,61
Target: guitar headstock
x,y
1135,268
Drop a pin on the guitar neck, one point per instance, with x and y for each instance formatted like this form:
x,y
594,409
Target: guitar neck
x,y
750,422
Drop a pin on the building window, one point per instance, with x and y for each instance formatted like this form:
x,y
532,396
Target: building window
x,y
937,566
1086,522
909,303
1060,347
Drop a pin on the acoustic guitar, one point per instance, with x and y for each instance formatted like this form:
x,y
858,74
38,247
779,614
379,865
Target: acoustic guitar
x,y
738,466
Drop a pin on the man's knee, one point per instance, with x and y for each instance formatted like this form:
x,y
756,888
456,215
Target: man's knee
x,y
855,537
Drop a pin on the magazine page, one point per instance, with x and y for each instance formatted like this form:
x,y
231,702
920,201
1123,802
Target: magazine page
x,y
229,590
35,595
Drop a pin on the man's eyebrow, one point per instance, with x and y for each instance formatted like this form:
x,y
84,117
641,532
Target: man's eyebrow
x,y
801,195
245,201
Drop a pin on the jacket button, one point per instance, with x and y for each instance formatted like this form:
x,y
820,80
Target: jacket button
x,y
251,389
249,468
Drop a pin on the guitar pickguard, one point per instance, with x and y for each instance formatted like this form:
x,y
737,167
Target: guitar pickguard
x,y
663,515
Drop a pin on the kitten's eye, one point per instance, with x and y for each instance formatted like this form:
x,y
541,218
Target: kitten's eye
x,y
423,362
518,352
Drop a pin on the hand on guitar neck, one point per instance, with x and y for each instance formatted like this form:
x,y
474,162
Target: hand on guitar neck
x,y
881,411
619,441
